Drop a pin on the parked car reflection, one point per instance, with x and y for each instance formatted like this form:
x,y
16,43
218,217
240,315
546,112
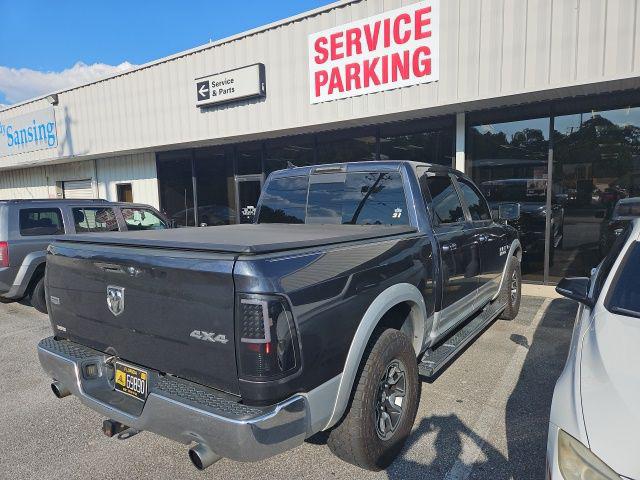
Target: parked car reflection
x,y
208,215
531,195
616,220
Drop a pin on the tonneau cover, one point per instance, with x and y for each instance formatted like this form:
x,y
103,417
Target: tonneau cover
x,y
246,239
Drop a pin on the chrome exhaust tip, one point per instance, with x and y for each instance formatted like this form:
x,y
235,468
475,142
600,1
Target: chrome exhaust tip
x,y
202,456
59,390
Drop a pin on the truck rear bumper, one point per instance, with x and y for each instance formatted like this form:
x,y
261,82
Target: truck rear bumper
x,y
180,410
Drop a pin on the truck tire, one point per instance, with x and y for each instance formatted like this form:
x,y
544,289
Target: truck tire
x,y
378,419
37,296
512,290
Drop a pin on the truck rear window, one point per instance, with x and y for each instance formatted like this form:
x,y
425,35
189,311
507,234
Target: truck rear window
x,y
357,198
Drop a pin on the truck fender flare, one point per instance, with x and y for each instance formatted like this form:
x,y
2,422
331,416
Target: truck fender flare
x,y
27,268
515,250
392,296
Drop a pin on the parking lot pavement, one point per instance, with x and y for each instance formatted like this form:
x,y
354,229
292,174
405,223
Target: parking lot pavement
x,y
484,417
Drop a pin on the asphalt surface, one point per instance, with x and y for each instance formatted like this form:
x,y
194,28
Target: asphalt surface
x,y
484,417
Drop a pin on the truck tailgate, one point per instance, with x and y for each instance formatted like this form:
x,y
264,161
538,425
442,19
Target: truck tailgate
x,y
176,315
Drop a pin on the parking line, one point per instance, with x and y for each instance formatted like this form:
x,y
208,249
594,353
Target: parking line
x,y
488,417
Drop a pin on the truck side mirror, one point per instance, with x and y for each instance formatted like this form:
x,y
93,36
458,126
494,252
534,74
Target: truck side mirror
x,y
575,288
508,211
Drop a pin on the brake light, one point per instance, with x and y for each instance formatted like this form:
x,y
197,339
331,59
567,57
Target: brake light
x,y
4,254
266,337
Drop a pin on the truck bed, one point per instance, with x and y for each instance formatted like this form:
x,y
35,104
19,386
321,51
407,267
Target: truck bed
x,y
244,239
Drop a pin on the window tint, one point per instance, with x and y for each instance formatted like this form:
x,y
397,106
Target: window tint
x,y
444,200
478,207
41,221
94,219
284,200
142,219
625,298
369,198
607,264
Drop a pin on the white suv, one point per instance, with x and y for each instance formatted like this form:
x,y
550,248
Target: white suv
x,y
594,427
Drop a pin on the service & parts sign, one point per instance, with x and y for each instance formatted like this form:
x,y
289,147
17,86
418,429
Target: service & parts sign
x,y
394,49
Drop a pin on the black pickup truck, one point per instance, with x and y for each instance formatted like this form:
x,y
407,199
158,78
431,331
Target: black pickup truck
x,y
244,340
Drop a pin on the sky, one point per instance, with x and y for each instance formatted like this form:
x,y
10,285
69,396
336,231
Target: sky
x,y
49,45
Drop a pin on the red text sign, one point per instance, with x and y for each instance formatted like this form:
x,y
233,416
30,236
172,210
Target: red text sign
x,y
394,49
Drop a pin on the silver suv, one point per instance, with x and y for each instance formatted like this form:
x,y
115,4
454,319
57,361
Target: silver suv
x,y
28,226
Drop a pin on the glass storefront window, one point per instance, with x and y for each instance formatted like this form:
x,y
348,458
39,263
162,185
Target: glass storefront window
x,y
509,163
347,146
249,159
215,186
297,151
596,169
418,142
176,186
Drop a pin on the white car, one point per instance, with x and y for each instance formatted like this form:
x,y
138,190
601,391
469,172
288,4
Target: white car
x,y
594,427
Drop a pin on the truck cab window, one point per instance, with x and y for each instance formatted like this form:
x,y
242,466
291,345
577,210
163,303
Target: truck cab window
x,y
357,198
284,200
444,199
478,207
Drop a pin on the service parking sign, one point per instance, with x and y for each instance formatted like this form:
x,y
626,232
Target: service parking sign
x,y
394,49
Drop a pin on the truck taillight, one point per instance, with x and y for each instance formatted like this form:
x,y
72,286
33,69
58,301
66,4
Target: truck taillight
x,y
4,254
266,337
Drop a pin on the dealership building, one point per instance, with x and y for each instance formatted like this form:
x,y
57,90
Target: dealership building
x,y
537,101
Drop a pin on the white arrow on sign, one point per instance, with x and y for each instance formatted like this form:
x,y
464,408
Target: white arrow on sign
x,y
204,89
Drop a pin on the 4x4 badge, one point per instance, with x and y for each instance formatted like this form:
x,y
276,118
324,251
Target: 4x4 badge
x,y
115,299
209,336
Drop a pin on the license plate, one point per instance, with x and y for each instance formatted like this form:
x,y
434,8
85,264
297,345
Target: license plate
x,y
131,381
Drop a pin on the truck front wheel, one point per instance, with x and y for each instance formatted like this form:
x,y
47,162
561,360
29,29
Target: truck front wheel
x,y
383,404
512,290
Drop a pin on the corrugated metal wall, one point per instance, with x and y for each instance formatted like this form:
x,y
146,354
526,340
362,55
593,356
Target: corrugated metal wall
x,y
40,182
490,49
138,169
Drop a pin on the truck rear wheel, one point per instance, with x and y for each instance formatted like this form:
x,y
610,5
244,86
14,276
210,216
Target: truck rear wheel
x,y
512,289
383,404
37,296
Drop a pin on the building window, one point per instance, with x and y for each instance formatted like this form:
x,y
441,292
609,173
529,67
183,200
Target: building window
x,y
215,186
347,146
124,192
293,151
249,159
176,186
508,162
418,141
596,170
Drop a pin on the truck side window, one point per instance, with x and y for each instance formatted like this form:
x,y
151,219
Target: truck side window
x,y
444,200
478,207
142,219
40,221
94,219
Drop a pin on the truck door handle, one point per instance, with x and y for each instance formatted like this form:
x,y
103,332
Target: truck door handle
x,y
449,247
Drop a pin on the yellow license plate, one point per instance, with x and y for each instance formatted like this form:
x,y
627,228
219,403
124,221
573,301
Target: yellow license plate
x,y
131,381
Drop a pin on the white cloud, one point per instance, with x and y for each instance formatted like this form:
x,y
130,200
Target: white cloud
x,y
19,84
